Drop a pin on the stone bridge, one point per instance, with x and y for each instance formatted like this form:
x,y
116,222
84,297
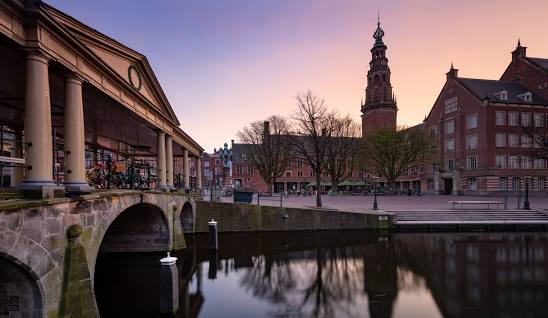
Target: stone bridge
x,y
48,249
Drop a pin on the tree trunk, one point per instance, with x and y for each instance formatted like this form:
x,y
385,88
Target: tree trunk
x,y
334,186
318,190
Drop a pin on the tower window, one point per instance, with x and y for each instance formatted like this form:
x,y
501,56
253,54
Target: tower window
x,y
384,77
376,78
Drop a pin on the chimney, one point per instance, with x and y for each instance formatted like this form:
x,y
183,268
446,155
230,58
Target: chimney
x,y
231,143
266,129
453,72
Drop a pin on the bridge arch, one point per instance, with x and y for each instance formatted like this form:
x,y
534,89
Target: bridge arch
x,y
21,293
130,226
142,227
187,218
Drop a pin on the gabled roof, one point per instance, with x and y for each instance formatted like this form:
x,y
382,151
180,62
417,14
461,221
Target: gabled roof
x,y
238,150
118,58
482,88
542,63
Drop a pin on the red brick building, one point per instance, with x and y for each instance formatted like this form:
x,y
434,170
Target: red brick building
x,y
482,143
482,147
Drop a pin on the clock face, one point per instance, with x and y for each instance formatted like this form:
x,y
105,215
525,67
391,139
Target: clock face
x,y
134,77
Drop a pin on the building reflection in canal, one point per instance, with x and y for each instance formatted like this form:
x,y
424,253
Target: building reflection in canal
x,y
337,274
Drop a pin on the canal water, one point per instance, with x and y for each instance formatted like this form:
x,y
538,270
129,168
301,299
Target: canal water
x,y
336,274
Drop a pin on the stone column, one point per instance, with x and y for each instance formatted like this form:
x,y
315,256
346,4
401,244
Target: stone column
x,y
161,162
17,172
38,182
169,162
186,170
199,173
75,145
437,182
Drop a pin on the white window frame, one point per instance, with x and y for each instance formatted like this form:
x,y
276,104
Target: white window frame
x,y
472,141
539,119
525,141
472,121
472,162
513,118
500,118
525,162
513,162
449,165
450,145
500,140
449,126
525,119
513,140
500,161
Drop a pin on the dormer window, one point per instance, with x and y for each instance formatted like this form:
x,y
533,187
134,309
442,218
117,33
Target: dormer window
x,y
503,95
526,97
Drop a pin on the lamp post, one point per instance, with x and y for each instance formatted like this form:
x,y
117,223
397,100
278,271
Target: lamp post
x,y
375,203
526,202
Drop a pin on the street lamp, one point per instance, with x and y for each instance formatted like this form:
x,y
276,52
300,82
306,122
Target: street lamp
x,y
375,203
526,202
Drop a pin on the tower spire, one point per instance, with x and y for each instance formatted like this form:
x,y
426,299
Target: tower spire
x,y
378,17
379,33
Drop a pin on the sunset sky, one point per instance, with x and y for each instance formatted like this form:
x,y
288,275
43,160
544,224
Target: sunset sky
x,y
225,63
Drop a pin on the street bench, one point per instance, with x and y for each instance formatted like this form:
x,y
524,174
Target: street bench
x,y
456,204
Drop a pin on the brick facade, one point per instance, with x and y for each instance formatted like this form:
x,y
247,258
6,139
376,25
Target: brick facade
x,y
482,144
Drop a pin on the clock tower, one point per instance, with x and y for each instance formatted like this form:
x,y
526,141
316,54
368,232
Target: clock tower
x,y
379,109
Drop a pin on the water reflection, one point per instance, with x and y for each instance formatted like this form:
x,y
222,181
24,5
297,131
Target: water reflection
x,y
337,274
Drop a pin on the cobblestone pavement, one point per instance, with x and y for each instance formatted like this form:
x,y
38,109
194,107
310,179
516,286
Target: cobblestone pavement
x,y
364,203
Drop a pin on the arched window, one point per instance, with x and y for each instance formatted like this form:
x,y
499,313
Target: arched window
x,y
376,78
384,77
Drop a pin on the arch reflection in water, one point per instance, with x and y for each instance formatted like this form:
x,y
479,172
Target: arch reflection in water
x,y
334,274
19,292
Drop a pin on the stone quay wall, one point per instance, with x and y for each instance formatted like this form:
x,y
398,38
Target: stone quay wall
x,y
236,217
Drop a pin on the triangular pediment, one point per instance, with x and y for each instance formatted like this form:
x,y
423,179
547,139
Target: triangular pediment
x,y
129,66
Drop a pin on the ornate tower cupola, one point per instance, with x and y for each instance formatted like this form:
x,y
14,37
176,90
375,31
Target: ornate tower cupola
x,y
379,110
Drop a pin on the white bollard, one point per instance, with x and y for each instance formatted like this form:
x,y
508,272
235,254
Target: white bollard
x,y
213,243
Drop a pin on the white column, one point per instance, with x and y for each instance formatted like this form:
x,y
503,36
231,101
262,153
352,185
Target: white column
x,y
199,173
161,162
75,146
37,125
169,162
186,170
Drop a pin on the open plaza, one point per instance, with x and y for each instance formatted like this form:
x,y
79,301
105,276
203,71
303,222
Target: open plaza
x,y
360,203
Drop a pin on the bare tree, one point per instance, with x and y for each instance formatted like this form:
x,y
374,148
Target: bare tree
x,y
342,150
391,153
267,147
538,145
313,129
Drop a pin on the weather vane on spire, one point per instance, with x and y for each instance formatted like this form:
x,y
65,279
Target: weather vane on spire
x,y
378,17
379,33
